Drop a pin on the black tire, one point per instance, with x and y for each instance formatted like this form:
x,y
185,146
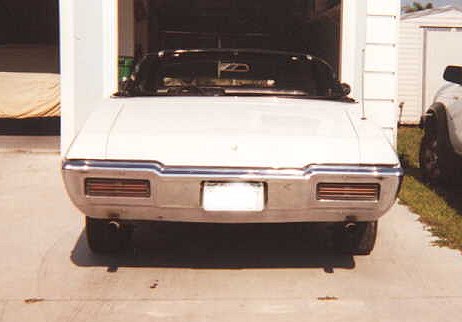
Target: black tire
x,y
429,158
437,159
359,239
102,237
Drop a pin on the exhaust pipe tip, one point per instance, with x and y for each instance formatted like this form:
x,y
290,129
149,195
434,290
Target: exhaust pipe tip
x,y
115,226
350,227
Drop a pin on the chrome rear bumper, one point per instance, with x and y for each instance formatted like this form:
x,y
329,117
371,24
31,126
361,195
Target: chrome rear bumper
x,y
177,192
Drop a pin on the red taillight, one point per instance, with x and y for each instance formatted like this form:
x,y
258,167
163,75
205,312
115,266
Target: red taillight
x,y
348,191
117,188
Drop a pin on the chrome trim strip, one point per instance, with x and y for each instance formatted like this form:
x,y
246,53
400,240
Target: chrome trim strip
x,y
87,165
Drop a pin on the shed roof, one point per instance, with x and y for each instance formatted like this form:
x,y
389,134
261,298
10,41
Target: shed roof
x,y
430,12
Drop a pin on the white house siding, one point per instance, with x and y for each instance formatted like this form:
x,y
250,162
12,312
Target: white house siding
x,y
410,69
380,75
411,58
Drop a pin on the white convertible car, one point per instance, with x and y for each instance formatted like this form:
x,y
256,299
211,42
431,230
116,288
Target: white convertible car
x,y
231,136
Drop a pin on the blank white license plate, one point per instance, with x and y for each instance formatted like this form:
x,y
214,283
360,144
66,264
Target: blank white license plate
x,y
233,196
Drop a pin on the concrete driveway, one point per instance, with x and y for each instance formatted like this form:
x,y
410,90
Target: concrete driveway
x,y
208,273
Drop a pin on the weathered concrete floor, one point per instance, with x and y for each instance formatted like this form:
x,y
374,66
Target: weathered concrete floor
x,y
190,273
29,144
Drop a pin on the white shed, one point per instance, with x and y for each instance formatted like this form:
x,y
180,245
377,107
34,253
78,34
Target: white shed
x,y
429,41
95,32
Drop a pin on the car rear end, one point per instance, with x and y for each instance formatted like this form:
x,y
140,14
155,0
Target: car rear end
x,y
150,191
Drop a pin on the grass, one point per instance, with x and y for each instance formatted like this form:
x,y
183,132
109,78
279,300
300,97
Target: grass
x,y
439,207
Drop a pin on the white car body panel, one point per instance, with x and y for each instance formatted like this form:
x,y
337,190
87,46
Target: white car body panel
x,y
91,141
178,144
451,96
232,132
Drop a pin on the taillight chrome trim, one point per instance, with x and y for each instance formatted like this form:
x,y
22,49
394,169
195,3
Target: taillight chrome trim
x,y
347,191
126,188
176,195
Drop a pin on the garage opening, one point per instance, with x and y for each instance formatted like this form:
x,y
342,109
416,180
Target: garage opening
x,y
306,26
29,67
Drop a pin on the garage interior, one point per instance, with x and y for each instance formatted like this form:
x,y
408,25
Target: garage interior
x,y
312,26
29,67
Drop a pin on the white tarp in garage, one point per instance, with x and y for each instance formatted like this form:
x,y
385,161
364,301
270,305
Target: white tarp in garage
x,y
29,81
29,59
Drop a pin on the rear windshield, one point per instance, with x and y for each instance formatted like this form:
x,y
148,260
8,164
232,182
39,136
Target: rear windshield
x,y
296,76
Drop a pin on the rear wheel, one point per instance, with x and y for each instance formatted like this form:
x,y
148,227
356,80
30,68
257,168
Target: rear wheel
x,y
106,236
356,238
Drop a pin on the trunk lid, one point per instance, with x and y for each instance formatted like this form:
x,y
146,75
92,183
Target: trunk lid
x,y
233,132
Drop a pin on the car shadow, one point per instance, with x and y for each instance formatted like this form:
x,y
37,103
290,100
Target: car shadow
x,y
449,192
212,246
